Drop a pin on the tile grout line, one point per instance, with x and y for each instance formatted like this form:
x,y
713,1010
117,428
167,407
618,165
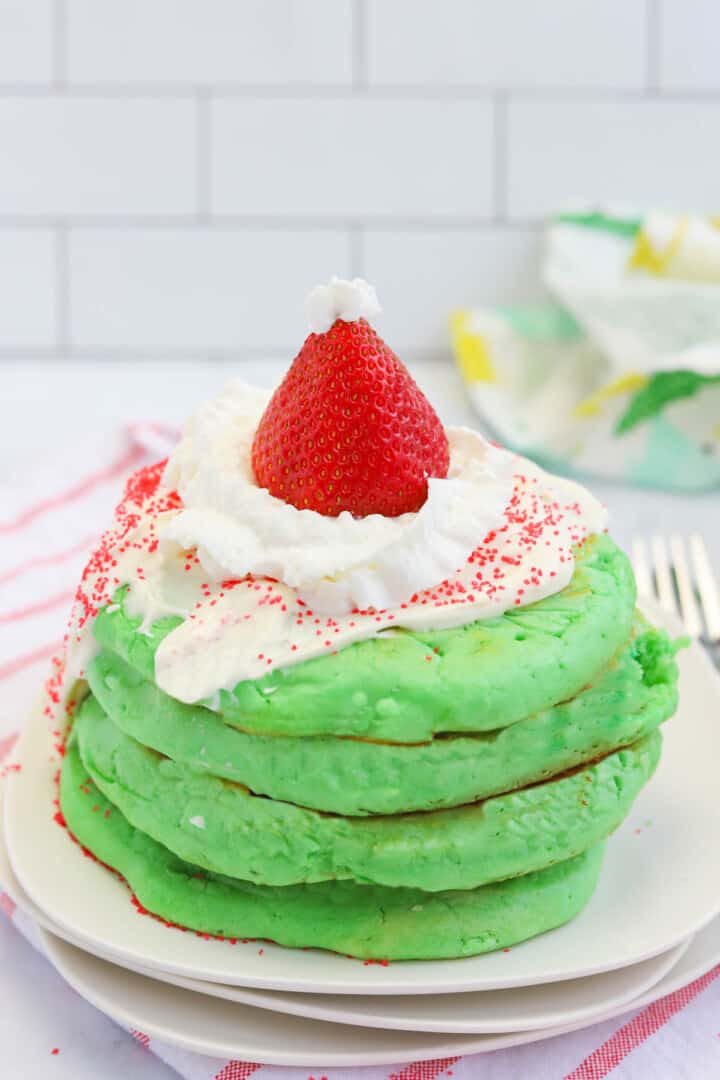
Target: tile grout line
x,y
359,47
59,31
63,313
410,93
257,223
500,157
203,155
136,354
653,42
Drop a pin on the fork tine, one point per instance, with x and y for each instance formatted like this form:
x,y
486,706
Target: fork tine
x,y
688,604
707,587
641,566
663,580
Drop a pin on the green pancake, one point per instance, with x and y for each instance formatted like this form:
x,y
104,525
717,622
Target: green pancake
x,y
635,693
224,828
362,920
480,677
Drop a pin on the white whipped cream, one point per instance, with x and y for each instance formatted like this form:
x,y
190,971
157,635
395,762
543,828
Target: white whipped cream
x,y
341,299
239,566
335,563
248,628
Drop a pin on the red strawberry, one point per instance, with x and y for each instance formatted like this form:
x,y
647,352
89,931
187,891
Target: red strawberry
x,y
348,429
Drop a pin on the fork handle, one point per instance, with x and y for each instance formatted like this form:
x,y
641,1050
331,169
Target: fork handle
x,y
713,648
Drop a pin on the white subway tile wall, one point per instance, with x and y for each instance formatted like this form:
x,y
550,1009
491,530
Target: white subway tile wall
x,y
26,41
174,288
210,42
175,174
75,157
28,291
353,158
659,152
567,44
689,55
423,274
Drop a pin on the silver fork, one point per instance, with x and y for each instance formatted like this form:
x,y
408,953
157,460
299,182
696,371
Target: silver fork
x,y
678,576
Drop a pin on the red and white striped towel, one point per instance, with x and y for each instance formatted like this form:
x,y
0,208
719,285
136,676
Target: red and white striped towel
x,y
49,518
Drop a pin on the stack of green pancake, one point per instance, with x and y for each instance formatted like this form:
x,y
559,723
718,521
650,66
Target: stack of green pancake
x,y
416,795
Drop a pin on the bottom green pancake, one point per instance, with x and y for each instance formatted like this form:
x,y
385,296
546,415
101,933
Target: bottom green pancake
x,y
367,921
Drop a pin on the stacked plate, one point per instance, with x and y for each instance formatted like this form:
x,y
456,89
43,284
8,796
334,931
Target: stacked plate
x,y
650,928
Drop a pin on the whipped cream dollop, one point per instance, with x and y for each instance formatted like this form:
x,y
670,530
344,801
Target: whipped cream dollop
x,y
260,585
341,299
336,564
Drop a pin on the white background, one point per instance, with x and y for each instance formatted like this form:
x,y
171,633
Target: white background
x,y
175,174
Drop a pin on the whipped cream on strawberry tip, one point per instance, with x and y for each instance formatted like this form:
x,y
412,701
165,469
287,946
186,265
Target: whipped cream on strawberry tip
x,y
336,564
341,299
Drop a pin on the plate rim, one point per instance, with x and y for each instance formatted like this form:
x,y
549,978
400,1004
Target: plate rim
x,y
462,1045
277,1001
672,957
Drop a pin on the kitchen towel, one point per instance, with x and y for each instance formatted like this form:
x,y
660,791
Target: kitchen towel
x,y
619,375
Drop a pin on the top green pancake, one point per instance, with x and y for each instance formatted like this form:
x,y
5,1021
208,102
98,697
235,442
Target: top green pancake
x,y
405,686
629,698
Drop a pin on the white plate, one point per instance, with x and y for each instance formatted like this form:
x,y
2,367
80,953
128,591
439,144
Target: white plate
x,y
223,1029
479,1012
520,1009
524,1008
660,884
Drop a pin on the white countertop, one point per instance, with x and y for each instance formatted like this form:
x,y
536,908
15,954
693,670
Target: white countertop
x,y
44,404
